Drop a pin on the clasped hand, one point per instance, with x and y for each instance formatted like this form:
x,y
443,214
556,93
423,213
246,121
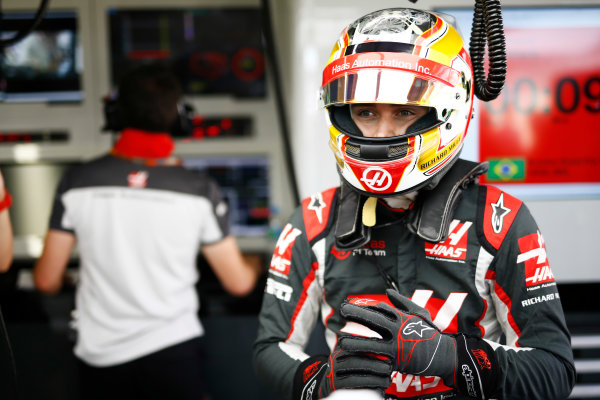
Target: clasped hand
x,y
408,337
403,338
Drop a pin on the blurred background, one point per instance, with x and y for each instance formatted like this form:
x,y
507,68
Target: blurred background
x,y
251,71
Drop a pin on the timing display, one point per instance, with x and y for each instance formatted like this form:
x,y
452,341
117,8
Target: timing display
x,y
567,95
543,128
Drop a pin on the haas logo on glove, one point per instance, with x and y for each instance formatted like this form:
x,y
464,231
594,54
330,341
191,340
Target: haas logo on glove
x,y
417,328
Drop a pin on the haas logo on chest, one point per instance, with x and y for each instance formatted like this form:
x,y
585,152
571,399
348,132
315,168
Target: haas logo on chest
x,y
455,247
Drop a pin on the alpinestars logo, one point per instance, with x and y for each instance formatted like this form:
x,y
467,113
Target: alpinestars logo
x,y
417,328
317,205
499,211
455,247
533,254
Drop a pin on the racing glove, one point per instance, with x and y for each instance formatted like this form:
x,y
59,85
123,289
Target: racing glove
x,y
320,375
418,347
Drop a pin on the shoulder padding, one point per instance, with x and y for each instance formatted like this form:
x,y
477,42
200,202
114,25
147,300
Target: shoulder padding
x,y
317,212
497,212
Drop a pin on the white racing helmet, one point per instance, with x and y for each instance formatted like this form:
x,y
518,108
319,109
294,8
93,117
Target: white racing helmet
x,y
399,56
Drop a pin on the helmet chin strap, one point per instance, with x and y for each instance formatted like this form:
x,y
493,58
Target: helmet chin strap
x,y
429,218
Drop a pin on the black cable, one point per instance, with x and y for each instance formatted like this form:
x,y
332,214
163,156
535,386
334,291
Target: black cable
x,y
271,55
488,30
26,31
13,392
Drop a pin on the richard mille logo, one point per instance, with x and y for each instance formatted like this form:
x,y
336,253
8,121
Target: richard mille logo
x,y
376,178
499,211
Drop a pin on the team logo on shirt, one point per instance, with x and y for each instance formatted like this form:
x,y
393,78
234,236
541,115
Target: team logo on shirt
x,y
137,179
373,248
340,254
533,255
455,246
280,263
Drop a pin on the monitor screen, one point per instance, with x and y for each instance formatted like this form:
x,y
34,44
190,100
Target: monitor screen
x,y
244,182
45,65
215,51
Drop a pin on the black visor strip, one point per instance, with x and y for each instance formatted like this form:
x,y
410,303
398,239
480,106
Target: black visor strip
x,y
390,47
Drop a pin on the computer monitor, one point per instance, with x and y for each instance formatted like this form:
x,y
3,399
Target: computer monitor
x,y
245,183
215,51
44,66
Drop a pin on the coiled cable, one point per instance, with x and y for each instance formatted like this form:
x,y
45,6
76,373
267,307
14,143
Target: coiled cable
x,y
488,30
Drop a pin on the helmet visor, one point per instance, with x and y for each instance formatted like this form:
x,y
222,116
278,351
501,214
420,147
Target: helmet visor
x,y
388,78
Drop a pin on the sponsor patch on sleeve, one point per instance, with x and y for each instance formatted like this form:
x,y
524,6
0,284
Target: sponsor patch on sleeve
x,y
282,256
280,290
533,256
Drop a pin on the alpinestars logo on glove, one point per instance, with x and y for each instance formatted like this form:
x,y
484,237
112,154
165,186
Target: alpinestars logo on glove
x,y
416,327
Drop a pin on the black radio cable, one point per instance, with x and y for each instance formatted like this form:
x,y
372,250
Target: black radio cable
x,y
27,30
12,392
488,30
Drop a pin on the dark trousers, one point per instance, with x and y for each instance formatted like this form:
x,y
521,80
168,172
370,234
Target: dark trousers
x,y
171,373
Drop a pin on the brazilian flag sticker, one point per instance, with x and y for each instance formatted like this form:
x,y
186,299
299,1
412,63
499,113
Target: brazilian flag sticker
x,y
506,169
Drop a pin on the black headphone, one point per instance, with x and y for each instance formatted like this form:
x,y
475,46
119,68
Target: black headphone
x,y
183,127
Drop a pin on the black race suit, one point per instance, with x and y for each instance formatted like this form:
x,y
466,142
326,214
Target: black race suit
x,y
490,278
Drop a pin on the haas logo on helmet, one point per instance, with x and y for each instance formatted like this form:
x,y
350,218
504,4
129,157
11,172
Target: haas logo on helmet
x,y
376,178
